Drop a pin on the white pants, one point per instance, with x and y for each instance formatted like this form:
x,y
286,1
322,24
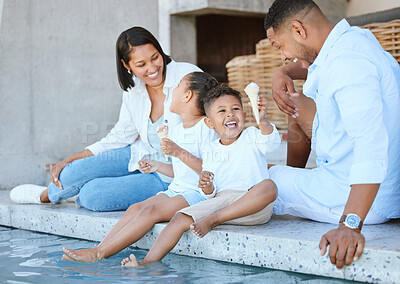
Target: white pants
x,y
293,201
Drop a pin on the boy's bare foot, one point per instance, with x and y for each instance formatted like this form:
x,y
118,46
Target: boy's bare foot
x,y
82,255
130,261
202,227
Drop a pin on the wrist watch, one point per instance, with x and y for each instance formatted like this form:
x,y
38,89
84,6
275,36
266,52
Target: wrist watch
x,y
352,221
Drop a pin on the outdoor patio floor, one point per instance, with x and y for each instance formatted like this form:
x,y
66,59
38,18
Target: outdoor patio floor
x,y
284,243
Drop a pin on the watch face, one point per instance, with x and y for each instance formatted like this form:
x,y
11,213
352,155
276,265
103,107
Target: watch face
x,y
352,221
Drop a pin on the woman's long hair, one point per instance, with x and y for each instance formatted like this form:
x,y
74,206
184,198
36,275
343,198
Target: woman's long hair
x,y
128,39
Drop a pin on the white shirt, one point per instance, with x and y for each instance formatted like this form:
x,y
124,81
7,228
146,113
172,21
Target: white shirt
x,y
242,164
355,85
193,140
132,125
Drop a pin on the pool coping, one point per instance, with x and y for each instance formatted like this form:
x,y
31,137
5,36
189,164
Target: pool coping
x,y
284,243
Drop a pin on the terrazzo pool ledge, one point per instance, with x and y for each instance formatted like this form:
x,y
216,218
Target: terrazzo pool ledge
x,y
284,243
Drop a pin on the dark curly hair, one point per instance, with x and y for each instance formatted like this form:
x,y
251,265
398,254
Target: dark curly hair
x,y
282,10
201,84
215,93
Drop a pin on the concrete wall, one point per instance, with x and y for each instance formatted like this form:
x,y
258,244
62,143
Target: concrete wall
x,y
360,7
181,19
58,85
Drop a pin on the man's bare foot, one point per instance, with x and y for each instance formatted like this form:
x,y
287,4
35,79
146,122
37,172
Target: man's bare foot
x,y
202,227
82,255
130,261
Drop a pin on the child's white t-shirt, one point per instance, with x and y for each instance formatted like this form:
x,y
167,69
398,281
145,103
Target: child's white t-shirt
x,y
193,140
242,164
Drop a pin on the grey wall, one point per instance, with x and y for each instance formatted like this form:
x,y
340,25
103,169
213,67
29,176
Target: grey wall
x,y
58,85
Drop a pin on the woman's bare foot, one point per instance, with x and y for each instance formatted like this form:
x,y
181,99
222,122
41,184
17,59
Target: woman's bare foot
x,y
202,227
130,261
82,255
44,196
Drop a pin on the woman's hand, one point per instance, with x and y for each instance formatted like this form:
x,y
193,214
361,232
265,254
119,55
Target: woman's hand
x,y
55,173
57,168
170,148
148,166
206,182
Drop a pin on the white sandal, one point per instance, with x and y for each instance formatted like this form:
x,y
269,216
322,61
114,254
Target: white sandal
x,y
27,194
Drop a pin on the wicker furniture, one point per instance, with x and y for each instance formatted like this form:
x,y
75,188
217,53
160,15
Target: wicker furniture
x,y
260,67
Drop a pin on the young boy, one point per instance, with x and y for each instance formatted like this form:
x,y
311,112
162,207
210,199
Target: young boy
x,y
234,176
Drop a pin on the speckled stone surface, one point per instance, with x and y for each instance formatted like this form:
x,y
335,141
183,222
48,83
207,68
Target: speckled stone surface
x,y
285,243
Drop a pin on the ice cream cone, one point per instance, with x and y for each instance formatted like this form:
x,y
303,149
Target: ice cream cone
x,y
251,91
162,132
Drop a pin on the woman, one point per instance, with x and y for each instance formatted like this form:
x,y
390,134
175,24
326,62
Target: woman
x,y
106,174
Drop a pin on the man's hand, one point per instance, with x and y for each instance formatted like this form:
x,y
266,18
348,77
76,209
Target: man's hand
x,y
345,245
169,147
282,87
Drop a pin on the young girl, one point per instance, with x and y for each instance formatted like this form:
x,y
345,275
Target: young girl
x,y
191,134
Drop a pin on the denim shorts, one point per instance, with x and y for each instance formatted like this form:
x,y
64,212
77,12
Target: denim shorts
x,y
192,196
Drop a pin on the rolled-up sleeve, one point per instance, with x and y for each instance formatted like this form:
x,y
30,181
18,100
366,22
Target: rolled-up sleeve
x,y
359,102
121,135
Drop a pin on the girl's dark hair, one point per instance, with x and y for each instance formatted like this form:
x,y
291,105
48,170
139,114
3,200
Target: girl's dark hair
x,y
128,39
201,84
217,92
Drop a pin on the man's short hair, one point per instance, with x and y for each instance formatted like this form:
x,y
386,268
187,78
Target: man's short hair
x,y
215,93
282,10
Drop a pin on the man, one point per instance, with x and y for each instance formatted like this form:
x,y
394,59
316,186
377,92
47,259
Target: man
x,y
351,113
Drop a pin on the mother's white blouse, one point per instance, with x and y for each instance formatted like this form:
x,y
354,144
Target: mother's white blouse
x,y
132,125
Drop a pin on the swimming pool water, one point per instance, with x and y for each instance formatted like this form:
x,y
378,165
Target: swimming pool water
x,y
31,257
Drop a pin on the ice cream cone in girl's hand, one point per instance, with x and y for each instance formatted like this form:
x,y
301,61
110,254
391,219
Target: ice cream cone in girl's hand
x,y
162,132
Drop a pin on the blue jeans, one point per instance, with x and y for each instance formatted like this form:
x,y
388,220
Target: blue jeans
x,y
104,183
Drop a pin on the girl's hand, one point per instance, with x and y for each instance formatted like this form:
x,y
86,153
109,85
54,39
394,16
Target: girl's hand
x,y
148,166
206,182
55,173
262,108
170,148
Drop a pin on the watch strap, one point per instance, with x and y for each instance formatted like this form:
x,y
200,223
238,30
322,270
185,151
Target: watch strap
x,y
343,219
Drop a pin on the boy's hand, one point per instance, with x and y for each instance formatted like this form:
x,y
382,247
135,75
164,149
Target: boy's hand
x,y
206,182
262,108
148,166
170,148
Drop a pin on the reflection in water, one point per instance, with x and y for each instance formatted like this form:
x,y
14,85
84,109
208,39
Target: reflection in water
x,y
30,257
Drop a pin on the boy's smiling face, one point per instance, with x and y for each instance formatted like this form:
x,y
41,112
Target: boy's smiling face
x,y
226,116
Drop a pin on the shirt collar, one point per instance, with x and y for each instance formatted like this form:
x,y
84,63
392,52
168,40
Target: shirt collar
x,y
333,36
169,77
